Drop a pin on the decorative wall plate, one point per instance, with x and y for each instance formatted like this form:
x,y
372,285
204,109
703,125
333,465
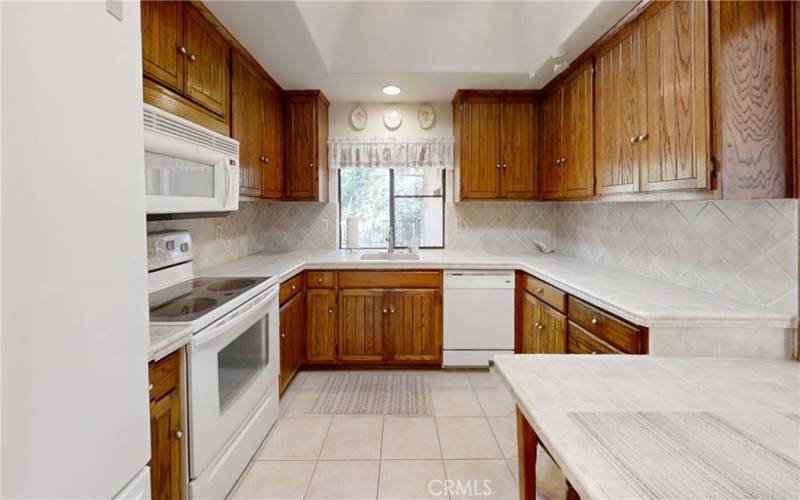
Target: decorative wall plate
x,y
392,117
358,117
426,116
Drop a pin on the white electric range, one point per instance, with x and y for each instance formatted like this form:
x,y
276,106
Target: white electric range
x,y
232,361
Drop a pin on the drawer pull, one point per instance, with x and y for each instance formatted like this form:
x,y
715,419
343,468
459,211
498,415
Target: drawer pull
x,y
595,320
540,290
319,280
294,287
178,434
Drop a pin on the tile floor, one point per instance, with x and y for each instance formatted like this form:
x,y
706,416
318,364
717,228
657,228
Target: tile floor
x,y
471,438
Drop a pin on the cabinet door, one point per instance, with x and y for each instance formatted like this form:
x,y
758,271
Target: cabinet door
x,y
578,134
675,113
618,90
552,147
518,135
247,124
207,70
300,168
165,459
272,142
480,148
415,321
543,328
321,324
362,324
162,41
293,338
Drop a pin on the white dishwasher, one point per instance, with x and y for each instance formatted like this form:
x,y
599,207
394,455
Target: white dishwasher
x,y
478,317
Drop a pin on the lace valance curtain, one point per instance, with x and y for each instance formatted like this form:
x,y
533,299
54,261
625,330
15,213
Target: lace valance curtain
x,y
427,152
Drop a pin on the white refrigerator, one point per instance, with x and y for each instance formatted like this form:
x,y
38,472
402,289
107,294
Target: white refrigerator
x,y
74,312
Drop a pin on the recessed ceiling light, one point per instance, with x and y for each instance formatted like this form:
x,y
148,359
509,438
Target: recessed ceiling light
x,y
391,90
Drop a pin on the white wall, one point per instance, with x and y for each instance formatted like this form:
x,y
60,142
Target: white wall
x,y
75,420
339,116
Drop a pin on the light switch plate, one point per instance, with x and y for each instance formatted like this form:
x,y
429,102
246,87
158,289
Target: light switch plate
x,y
114,7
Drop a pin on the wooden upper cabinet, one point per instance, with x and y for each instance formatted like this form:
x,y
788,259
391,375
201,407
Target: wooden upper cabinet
x,y
247,123
618,89
306,144
578,134
551,148
415,318
674,136
362,324
207,67
272,142
480,148
518,141
162,42
495,152
321,324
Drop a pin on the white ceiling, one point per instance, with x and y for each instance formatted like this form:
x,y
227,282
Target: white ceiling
x,y
351,49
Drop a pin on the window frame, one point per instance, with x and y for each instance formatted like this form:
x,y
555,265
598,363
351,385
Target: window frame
x,y
392,198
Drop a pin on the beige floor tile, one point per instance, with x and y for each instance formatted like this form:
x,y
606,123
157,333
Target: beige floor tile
x,y
302,402
344,479
316,379
482,378
295,439
410,437
282,480
411,479
467,437
481,479
448,378
513,466
353,438
495,401
455,402
505,432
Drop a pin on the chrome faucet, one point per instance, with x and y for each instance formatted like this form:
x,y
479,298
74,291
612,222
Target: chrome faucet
x,y
390,239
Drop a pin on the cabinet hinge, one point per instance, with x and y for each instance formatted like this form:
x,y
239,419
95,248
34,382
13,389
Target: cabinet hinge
x,y
714,166
594,182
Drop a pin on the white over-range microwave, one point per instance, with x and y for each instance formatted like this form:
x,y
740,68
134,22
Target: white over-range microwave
x,y
188,168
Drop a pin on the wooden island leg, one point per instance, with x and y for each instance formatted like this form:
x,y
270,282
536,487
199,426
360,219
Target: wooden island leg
x,y
526,447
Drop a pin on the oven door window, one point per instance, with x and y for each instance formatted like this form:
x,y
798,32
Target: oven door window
x,y
241,361
170,176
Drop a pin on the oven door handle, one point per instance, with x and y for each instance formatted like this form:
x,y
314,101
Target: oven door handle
x,y
247,313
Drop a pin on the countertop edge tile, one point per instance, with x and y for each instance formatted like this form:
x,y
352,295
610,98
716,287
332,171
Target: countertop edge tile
x,y
165,340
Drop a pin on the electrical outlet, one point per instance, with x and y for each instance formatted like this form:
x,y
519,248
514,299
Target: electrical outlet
x,y
218,232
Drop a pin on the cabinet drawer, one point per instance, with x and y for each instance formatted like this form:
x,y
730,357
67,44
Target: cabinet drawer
x,y
290,288
390,279
621,335
164,375
320,279
545,292
579,341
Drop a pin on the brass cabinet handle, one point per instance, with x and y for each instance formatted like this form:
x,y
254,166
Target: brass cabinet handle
x,y
182,50
595,320
594,352
541,327
505,166
563,161
311,165
178,434
391,310
536,324
262,158
540,290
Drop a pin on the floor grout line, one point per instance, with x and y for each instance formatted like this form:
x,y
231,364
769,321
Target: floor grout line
x,y
316,462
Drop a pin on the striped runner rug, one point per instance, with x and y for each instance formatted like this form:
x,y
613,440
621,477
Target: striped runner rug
x,y
380,393
690,455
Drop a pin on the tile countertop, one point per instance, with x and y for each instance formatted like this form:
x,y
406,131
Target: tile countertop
x,y
598,416
640,300
166,339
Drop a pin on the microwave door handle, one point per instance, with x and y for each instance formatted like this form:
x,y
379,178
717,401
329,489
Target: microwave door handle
x,y
229,180
249,312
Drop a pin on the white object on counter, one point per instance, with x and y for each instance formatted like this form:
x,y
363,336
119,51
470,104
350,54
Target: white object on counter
x,y
478,316
352,232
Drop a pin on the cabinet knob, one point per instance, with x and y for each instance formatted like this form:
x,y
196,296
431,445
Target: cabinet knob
x,y
595,320
540,290
594,352
192,57
330,310
540,327
391,310
642,137
182,50
151,387
262,158
536,324
497,166
505,166
634,139
178,434
283,335
294,287
385,310
319,280
311,165
563,161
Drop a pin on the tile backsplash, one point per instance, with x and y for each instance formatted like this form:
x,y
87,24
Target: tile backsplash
x,y
499,227
256,227
741,249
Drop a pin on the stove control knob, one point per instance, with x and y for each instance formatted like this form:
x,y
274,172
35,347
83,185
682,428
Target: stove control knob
x,y
184,247
170,245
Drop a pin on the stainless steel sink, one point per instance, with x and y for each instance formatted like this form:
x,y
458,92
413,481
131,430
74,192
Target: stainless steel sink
x,y
389,256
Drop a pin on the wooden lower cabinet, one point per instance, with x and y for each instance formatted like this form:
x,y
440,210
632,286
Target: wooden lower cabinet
x,y
362,324
165,429
415,325
321,324
543,328
293,337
